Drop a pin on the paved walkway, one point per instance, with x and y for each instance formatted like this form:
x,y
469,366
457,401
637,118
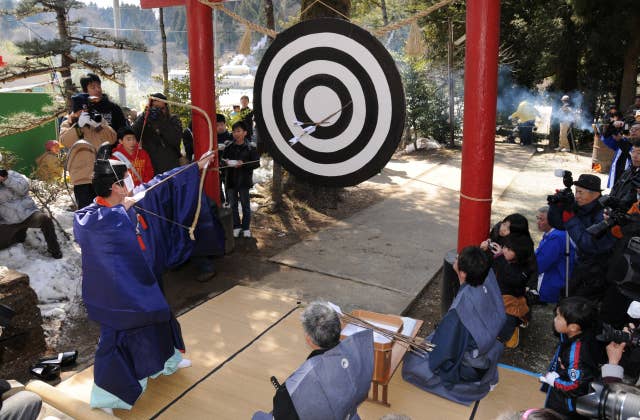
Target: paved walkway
x,y
382,257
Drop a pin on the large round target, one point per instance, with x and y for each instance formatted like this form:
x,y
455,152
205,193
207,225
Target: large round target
x,y
329,102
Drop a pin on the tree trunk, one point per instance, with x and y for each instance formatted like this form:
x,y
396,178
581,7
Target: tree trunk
x,y
452,115
276,177
567,54
165,64
630,67
385,18
66,59
312,9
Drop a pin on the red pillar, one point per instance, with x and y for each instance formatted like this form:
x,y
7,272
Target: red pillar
x,y
480,91
202,86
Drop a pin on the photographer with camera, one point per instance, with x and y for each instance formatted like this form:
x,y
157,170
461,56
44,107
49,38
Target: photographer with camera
x,y
82,133
623,190
615,140
576,215
160,134
100,103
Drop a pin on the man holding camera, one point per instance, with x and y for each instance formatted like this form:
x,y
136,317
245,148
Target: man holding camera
x,y
624,188
160,134
615,139
576,215
100,103
82,133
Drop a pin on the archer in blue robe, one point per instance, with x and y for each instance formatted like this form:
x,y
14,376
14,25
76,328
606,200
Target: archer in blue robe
x,y
124,253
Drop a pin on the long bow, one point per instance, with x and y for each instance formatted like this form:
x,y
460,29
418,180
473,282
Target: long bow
x,y
203,174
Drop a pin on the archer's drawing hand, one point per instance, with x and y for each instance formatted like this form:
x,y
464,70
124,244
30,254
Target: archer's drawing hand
x,y
128,202
205,159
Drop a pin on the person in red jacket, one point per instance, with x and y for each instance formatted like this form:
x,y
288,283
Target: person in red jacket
x,y
136,158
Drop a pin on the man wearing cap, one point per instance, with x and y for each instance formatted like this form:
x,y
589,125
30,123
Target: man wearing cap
x,y
566,119
83,135
124,253
18,212
592,253
99,102
160,134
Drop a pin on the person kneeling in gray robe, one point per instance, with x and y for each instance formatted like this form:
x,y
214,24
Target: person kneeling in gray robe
x,y
334,379
463,366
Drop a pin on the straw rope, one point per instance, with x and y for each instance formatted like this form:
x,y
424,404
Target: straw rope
x,y
255,27
399,24
379,31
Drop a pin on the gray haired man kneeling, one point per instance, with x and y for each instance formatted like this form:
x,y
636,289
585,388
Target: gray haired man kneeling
x,y
336,376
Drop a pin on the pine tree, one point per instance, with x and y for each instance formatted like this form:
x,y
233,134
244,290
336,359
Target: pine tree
x,y
71,48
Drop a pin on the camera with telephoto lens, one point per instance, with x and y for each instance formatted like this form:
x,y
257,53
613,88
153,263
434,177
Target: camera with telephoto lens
x,y
617,215
563,197
94,115
609,334
154,112
615,401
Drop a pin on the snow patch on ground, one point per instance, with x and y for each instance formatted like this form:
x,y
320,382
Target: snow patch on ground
x,y
57,283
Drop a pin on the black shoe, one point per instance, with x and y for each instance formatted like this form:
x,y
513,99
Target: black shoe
x,y
205,276
63,359
57,254
45,372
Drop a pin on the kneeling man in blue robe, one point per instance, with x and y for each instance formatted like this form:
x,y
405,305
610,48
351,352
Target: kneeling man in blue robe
x,y
463,367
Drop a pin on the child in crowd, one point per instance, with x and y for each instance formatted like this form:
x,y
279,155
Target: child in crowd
x,y
513,223
241,159
576,361
517,224
134,157
511,264
49,167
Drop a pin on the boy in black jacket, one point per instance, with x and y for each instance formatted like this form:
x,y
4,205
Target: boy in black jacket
x,y
241,159
576,361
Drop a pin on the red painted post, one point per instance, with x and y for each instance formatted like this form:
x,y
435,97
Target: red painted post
x,y
200,36
480,94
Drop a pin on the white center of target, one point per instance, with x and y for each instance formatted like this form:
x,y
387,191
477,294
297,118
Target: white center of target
x,y
320,102
358,105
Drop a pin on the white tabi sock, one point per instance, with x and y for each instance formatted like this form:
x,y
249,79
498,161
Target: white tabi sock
x,y
184,363
107,410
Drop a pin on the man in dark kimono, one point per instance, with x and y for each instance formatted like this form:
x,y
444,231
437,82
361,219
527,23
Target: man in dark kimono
x,y
334,379
125,250
463,366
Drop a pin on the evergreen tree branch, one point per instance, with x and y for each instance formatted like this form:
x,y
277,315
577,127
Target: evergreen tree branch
x,y
38,48
103,40
13,73
25,121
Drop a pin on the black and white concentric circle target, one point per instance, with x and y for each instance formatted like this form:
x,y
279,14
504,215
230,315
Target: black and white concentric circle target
x,y
329,102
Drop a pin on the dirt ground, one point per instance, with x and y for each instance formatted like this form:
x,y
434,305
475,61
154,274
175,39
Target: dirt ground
x,y
274,231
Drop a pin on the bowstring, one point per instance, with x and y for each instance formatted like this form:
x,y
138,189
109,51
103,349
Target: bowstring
x,y
204,170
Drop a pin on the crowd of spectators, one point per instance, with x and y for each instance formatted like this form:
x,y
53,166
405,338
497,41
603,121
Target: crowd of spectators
x,y
586,266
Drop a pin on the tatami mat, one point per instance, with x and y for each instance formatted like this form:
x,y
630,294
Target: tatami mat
x,y
218,329
212,332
